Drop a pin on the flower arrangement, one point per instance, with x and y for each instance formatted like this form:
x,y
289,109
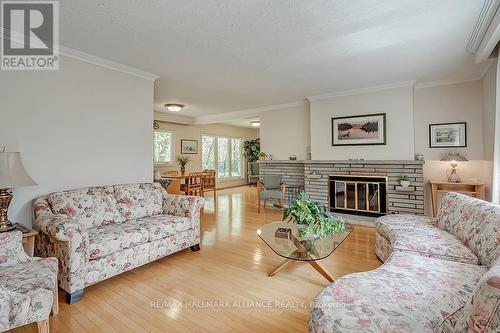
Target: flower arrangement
x,y
182,161
315,219
404,181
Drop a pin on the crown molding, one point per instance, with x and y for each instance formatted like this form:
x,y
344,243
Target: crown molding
x,y
109,64
246,113
18,38
362,90
445,82
491,35
482,24
172,118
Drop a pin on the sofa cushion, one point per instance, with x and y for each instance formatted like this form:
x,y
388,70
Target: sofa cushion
x,y
139,200
162,226
107,239
475,222
409,293
417,234
92,206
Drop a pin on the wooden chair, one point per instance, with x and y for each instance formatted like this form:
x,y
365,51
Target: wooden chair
x,y
209,182
194,184
270,187
171,173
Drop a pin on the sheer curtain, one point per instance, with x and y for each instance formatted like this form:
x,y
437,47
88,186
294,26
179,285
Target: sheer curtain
x,y
496,161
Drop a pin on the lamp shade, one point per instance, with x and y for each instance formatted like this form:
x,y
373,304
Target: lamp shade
x,y
12,172
454,157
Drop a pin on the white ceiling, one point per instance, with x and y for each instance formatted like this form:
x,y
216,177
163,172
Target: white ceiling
x,y
218,56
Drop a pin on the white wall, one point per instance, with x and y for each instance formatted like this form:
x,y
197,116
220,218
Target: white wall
x,y
452,103
194,132
396,103
286,132
79,126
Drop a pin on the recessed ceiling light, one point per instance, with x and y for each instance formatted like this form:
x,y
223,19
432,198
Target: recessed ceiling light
x,y
255,123
174,107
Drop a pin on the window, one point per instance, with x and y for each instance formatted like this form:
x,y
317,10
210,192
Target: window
x,y
163,147
222,154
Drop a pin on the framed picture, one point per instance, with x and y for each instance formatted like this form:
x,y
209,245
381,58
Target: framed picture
x,y
448,135
189,146
368,129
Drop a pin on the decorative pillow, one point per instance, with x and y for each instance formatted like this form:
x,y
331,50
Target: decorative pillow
x,y
92,206
139,200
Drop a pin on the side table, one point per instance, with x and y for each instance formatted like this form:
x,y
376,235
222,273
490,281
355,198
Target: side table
x,y
473,189
29,236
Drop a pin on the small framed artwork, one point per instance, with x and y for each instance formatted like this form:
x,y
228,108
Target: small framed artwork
x,y
448,135
189,146
368,129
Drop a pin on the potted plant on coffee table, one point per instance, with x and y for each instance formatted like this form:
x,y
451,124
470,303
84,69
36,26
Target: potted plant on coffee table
x,y
313,220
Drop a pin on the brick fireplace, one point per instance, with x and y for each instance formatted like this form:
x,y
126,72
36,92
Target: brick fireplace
x,y
315,177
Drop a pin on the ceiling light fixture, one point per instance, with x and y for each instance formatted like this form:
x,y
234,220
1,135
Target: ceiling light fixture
x,y
174,107
255,123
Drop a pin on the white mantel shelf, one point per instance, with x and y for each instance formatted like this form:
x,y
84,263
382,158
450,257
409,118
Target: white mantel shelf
x,y
342,161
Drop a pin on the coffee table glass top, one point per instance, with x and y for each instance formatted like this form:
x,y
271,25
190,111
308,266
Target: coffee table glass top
x,y
301,248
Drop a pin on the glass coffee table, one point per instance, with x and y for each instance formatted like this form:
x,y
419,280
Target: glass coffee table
x,y
295,248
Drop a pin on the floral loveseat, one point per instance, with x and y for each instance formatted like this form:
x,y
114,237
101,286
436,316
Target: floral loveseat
x,y
439,275
99,232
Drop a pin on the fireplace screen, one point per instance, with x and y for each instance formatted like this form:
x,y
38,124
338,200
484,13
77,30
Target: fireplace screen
x,y
362,195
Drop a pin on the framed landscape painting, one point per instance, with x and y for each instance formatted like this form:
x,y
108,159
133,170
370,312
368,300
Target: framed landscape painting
x,y
448,135
368,129
189,146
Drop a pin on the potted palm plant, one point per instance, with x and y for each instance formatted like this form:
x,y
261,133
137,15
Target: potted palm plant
x,y
313,220
182,161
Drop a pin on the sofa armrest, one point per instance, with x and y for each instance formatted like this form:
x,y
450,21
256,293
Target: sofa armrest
x,y
61,228
483,312
182,205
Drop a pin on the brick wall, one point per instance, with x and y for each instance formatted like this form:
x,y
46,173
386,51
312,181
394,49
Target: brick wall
x,y
313,175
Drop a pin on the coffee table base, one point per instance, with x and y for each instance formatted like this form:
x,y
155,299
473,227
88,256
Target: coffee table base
x,y
315,264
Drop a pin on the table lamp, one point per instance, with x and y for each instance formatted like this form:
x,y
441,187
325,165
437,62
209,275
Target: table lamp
x,y
12,175
454,158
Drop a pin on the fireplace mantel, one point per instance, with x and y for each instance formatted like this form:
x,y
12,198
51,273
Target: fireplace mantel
x,y
313,175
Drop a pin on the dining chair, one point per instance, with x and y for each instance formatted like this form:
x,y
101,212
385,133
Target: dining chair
x,y
270,187
209,182
194,185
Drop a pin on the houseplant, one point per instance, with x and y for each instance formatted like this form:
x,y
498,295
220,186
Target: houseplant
x,y
251,149
262,156
182,161
313,219
404,181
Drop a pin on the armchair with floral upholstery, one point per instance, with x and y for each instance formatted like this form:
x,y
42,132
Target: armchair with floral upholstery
x,y
28,285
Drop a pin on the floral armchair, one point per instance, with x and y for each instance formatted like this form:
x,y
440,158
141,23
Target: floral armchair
x,y
28,285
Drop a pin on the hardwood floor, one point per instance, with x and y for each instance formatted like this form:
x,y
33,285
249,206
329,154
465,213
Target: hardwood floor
x,y
224,287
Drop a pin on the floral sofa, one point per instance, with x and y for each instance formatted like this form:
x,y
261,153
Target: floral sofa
x,y
439,275
28,286
99,232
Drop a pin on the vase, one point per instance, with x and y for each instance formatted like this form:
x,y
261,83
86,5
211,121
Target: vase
x,y
405,183
183,170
